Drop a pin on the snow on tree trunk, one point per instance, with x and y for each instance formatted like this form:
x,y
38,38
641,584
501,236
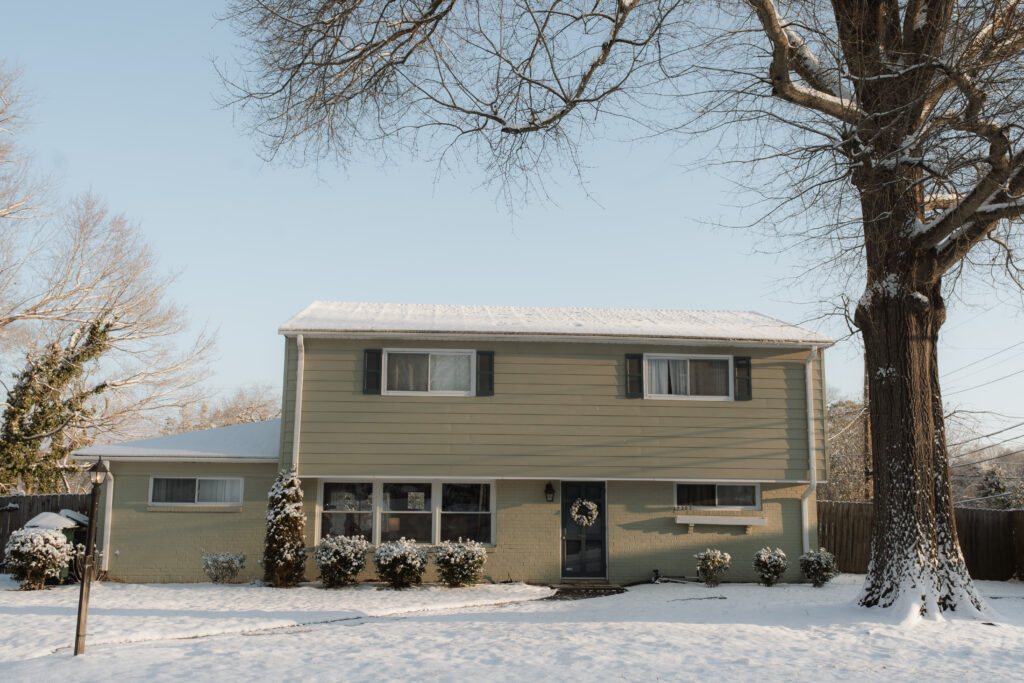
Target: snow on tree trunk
x,y
916,562
284,549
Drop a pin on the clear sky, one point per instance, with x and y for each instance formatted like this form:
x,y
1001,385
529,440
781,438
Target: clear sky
x,y
124,104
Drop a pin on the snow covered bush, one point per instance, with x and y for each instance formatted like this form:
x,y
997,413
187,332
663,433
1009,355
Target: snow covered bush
x,y
460,563
340,559
711,564
223,567
819,566
33,555
770,565
400,563
284,550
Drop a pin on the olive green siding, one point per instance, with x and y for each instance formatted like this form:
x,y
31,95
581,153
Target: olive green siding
x,y
559,411
156,544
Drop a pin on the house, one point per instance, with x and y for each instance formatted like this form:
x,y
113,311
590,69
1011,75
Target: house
x,y
686,429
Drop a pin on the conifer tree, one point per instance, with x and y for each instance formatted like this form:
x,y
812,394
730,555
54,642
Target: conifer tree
x,y
284,549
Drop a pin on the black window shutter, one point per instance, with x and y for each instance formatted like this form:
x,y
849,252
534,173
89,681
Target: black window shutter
x,y
634,375
372,370
485,373
743,389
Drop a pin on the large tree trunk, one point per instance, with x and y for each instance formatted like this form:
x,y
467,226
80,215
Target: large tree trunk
x,y
916,560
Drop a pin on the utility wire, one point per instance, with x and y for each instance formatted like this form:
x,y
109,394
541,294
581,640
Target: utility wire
x,y
978,462
983,448
971,500
991,355
984,436
985,384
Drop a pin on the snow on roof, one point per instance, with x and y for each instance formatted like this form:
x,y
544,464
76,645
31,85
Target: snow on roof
x,y
49,520
746,326
248,441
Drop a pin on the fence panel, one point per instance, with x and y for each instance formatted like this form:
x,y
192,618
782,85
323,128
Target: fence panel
x,y
992,540
15,511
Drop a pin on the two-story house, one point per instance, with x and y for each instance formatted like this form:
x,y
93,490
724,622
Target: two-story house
x,y
686,429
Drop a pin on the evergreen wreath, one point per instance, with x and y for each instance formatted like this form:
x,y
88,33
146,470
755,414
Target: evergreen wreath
x,y
583,512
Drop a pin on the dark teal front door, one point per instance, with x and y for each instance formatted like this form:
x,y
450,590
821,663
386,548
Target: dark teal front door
x,y
583,548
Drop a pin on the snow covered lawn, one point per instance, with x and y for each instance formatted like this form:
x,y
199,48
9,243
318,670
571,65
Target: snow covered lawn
x,y
501,632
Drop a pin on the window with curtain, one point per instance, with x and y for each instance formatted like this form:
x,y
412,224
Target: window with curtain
x,y
466,512
406,512
717,495
196,491
684,376
348,510
429,372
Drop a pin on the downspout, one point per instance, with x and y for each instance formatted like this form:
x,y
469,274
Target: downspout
x,y
805,516
108,515
297,421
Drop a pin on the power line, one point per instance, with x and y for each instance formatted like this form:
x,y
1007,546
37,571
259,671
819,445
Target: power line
x,y
971,500
984,384
983,448
984,436
978,462
991,355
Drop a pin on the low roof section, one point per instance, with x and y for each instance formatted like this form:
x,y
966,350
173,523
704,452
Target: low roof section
x,y
336,318
250,442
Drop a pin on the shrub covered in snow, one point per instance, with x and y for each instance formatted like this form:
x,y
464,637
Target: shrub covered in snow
x,y
33,555
223,567
400,563
284,550
340,559
460,563
770,565
711,564
819,566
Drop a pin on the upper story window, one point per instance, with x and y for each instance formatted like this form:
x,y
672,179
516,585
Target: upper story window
x,y
195,491
439,372
734,496
700,377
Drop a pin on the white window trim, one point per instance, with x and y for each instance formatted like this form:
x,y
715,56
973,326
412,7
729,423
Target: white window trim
x,y
377,507
755,507
241,491
687,356
471,353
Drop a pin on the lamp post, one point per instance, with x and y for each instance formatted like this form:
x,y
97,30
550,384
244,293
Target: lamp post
x,y
97,473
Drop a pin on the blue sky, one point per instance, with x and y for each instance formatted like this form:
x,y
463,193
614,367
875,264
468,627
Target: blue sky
x,y
124,104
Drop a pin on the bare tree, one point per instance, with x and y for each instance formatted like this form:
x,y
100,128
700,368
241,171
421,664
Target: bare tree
x,y
892,129
254,403
849,471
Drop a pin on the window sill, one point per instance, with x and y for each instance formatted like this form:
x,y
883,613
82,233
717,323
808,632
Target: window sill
x,y
721,520
193,508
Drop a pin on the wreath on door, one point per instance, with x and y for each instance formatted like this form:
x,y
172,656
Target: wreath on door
x,y
583,512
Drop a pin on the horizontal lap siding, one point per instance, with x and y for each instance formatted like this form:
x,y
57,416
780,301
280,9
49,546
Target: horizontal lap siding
x,y
559,410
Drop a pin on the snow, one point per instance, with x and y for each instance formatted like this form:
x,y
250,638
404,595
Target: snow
x,y
74,516
363,318
248,441
667,631
49,520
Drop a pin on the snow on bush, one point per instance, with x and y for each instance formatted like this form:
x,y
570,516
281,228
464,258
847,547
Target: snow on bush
x,y
33,555
711,564
460,563
770,565
223,567
284,549
340,559
819,566
400,563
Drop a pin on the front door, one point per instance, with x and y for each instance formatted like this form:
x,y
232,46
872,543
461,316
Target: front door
x,y
583,547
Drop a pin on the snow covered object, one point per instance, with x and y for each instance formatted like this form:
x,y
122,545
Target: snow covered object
x,y
223,567
770,565
284,550
33,555
460,563
400,563
340,559
711,564
819,566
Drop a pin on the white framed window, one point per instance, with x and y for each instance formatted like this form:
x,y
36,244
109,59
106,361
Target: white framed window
x,y
724,496
693,377
425,511
195,490
438,372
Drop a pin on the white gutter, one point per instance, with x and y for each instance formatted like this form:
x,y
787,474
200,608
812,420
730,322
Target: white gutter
x,y
811,465
108,515
297,422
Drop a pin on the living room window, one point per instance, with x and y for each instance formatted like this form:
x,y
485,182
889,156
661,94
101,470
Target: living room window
x,y
417,371
406,511
688,377
195,491
732,496
466,512
347,509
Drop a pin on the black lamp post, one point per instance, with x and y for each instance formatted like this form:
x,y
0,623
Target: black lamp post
x,y
97,473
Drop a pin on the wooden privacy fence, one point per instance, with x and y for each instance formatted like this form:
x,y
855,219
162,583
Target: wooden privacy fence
x,y
15,511
992,540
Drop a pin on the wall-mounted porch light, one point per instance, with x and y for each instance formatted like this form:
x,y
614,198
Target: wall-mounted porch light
x,y
549,493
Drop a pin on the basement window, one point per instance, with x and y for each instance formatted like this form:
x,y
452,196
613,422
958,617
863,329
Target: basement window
x,y
723,496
